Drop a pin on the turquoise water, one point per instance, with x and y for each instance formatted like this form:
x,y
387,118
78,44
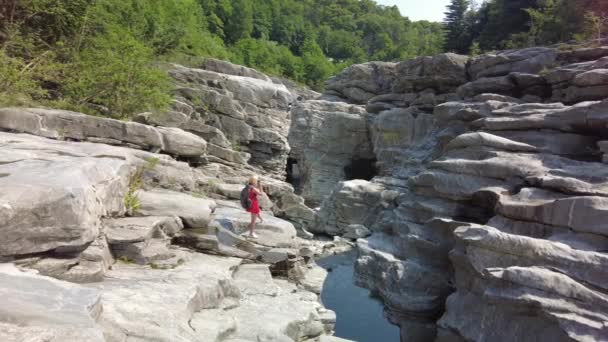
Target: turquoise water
x,y
359,316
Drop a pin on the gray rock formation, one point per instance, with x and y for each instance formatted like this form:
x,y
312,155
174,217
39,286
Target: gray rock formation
x,y
482,182
488,211
59,124
241,112
37,308
103,202
326,137
361,82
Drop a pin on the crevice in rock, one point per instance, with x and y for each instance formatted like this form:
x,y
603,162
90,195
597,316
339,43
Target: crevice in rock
x,y
293,174
361,168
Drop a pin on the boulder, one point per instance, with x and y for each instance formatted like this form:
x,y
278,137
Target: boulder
x,y
555,209
37,308
502,85
356,231
243,113
551,276
591,78
224,67
443,73
360,82
273,232
195,212
140,229
143,240
583,54
88,266
54,193
351,202
531,60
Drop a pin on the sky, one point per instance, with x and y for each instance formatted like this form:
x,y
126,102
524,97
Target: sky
x,y
419,9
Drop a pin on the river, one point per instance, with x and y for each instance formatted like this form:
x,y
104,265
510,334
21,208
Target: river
x,y
360,317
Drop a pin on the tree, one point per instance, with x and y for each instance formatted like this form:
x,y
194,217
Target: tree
x,y
78,53
240,23
595,24
115,71
316,66
458,37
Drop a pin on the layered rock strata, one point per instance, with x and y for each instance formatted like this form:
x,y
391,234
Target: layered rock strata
x,y
488,211
114,230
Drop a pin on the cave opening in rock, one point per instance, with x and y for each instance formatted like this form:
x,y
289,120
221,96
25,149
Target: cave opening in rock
x,y
361,168
293,173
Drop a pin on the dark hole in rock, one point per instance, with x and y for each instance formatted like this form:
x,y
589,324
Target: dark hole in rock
x,y
360,168
293,173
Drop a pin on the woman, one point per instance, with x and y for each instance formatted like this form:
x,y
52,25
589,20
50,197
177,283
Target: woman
x,y
254,191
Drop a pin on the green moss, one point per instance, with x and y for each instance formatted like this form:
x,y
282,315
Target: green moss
x,y
126,260
156,266
392,138
198,194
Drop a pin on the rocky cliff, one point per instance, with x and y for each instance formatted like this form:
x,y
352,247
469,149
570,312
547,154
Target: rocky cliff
x,y
117,230
488,208
475,188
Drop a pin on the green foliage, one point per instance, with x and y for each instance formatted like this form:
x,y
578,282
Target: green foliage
x,y
101,56
236,145
17,78
212,185
131,202
156,266
391,138
136,182
500,24
316,67
151,163
199,194
458,37
125,259
115,71
475,50
596,24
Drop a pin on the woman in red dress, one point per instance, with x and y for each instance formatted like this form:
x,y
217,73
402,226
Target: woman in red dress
x,y
254,192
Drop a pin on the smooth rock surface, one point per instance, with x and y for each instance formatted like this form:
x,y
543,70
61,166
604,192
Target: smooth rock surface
x,y
37,308
195,212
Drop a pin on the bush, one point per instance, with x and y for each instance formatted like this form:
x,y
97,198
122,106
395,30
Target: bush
x,y
116,71
17,83
316,66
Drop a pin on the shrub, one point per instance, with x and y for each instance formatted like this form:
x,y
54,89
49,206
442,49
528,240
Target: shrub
x,y
136,181
17,78
116,71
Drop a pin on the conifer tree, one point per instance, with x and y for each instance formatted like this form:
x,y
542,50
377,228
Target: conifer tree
x,y
457,28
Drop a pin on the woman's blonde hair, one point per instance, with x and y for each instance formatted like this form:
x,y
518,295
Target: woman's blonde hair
x,y
253,180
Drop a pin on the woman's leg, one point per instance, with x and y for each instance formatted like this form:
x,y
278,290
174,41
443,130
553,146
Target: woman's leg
x,y
252,224
260,217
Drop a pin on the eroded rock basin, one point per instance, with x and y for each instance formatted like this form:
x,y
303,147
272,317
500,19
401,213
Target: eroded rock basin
x,y
360,316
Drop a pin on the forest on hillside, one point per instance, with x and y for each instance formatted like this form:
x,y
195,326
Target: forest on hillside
x,y
109,56
473,27
90,55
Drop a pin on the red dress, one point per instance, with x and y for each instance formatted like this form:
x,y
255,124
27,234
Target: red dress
x,y
255,204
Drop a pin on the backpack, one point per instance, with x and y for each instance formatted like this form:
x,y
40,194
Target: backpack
x,y
245,201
